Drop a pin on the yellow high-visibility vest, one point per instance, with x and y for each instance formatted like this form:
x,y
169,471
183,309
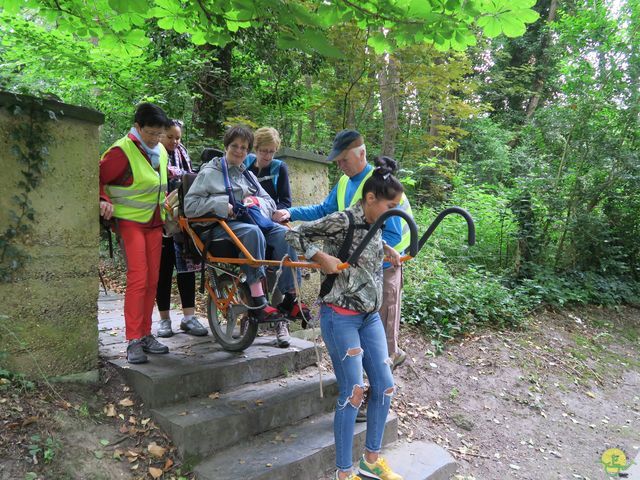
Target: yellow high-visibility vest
x,y
138,201
404,205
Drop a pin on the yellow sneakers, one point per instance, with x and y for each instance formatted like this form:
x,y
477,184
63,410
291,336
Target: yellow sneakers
x,y
379,470
352,476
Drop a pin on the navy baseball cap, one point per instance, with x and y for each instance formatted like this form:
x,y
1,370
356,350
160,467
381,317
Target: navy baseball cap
x,y
341,142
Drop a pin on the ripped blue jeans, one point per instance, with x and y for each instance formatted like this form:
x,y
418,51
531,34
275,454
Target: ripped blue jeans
x,y
354,342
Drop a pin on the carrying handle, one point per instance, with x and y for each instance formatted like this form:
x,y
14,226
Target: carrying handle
x,y
394,212
471,227
416,244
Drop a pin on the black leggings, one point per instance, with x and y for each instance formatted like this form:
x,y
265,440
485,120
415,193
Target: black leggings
x,y
186,281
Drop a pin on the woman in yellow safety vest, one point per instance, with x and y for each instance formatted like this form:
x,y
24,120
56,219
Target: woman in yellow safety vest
x,y
133,184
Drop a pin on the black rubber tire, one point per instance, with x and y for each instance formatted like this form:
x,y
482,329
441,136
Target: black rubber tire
x,y
236,340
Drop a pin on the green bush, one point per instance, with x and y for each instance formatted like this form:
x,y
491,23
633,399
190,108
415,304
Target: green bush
x,y
580,288
446,305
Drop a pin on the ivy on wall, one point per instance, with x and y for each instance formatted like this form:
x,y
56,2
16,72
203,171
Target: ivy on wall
x,y
29,142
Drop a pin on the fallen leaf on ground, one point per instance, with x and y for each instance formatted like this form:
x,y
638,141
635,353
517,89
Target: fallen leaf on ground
x,y
155,472
126,402
168,464
110,410
214,395
145,421
156,450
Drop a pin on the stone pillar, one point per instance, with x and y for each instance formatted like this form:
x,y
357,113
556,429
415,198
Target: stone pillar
x,y
48,305
308,175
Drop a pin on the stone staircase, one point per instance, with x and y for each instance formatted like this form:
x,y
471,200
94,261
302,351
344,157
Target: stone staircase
x,y
252,415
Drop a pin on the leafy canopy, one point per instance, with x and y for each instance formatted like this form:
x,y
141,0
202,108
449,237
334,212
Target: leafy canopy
x,y
121,25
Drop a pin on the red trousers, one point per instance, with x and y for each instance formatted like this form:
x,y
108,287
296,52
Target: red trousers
x,y
142,247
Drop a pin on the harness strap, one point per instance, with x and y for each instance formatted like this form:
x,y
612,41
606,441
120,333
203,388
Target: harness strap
x,y
343,254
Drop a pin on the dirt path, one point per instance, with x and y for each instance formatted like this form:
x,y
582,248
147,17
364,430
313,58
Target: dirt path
x,y
541,403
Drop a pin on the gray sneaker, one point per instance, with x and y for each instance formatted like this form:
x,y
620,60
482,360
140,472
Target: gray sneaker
x,y
282,335
193,327
151,345
164,330
135,352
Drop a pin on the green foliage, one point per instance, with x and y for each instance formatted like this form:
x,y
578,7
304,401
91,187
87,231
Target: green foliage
x,y
300,25
447,304
45,449
583,288
12,380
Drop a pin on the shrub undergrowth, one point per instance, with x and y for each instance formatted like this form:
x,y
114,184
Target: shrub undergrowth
x,y
450,290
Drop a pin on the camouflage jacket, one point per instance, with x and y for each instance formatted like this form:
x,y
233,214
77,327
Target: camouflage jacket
x,y
359,287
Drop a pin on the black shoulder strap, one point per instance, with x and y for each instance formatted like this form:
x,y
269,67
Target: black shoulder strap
x,y
343,254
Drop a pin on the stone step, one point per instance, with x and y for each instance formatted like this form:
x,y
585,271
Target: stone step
x,y
420,460
202,425
298,452
199,366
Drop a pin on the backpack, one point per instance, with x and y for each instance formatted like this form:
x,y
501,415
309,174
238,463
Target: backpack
x,y
189,249
274,169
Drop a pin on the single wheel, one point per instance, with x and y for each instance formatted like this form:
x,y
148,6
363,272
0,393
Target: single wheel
x,y
235,331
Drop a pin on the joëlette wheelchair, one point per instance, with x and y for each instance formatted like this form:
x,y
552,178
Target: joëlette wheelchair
x,y
229,309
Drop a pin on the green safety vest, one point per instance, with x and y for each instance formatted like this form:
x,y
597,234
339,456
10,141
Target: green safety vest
x,y
404,206
138,201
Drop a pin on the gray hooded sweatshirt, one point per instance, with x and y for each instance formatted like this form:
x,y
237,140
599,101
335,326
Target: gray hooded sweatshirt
x,y
208,194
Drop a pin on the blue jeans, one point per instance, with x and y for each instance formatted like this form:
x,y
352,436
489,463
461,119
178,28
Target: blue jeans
x,y
255,241
354,342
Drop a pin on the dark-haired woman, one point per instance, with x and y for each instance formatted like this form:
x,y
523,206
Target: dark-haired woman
x,y
133,183
349,318
179,163
226,189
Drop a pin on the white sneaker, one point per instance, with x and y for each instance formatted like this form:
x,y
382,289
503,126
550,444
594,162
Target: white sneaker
x,y
282,335
164,330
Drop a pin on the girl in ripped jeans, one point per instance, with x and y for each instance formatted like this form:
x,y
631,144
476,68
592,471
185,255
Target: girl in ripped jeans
x,y
349,320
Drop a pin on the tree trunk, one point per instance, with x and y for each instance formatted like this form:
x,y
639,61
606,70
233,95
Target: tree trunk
x,y
313,129
538,83
389,82
209,111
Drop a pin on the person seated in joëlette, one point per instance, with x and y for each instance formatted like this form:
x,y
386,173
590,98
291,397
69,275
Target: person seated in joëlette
x,y
226,189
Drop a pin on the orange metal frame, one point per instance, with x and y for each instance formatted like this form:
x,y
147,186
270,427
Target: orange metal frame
x,y
223,303
248,260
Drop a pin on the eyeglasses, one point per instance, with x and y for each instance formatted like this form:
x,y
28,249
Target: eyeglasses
x,y
152,133
240,148
267,153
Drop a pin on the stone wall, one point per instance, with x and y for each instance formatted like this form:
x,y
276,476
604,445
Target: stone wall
x,y
48,312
